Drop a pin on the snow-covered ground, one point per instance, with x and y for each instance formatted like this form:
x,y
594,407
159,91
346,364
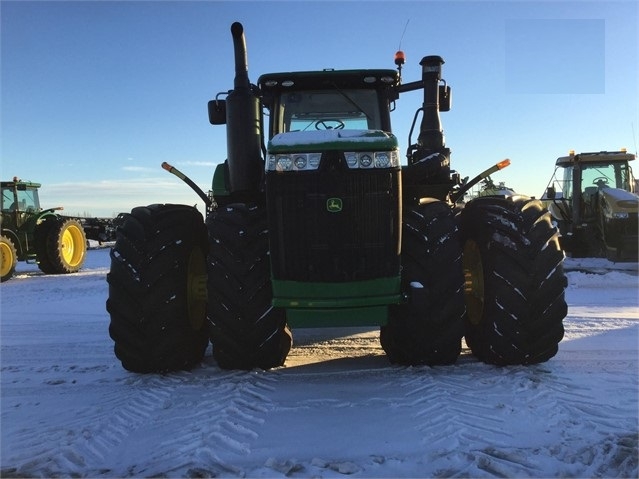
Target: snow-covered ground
x,y
337,408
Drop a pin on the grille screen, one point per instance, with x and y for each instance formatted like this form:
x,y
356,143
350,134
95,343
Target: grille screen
x,y
334,225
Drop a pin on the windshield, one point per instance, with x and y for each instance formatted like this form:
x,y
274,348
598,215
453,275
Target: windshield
x,y
353,109
613,175
27,200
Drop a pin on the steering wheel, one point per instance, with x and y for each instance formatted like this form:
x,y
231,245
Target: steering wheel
x,y
600,181
324,124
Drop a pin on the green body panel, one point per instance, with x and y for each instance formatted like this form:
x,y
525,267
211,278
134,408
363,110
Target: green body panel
x,y
357,303
220,181
339,318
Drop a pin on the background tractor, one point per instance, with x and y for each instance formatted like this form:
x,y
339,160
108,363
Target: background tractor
x,y
592,198
313,222
56,243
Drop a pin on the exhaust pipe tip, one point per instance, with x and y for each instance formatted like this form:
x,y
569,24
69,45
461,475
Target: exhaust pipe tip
x,y
241,81
237,29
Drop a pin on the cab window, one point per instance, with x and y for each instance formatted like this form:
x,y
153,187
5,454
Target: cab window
x,y
328,109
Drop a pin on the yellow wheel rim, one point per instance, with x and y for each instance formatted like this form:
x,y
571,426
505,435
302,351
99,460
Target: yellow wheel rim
x,y
73,246
473,282
7,259
196,288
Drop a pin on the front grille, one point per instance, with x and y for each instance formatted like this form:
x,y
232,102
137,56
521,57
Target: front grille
x,y
622,231
310,243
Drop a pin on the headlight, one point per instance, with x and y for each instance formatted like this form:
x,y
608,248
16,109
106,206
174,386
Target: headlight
x,y
620,215
300,162
382,159
294,162
311,161
377,159
284,163
314,161
365,160
351,159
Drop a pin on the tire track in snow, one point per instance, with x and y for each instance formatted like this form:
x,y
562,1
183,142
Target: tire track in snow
x,y
183,435
87,437
216,432
460,412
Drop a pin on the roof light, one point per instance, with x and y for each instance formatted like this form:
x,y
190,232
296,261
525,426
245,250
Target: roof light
x,y
400,58
571,153
624,150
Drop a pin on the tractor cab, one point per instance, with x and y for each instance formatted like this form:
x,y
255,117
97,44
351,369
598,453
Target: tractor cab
x,y
328,100
19,200
592,198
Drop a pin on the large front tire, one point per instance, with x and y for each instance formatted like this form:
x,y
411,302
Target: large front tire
x,y
157,281
428,328
515,283
8,258
61,246
247,332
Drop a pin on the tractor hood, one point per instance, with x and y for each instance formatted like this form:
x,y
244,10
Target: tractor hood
x,y
332,140
619,199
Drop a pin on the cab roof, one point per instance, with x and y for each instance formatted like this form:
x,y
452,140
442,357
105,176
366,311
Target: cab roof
x,y
330,78
9,184
595,157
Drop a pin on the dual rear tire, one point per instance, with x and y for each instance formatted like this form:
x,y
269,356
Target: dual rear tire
x,y
494,274
514,281
158,290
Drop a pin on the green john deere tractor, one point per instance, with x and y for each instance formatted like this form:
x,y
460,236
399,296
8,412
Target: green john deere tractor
x,y
57,244
312,221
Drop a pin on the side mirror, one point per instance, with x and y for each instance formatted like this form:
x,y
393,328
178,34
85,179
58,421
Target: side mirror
x,y
551,194
217,112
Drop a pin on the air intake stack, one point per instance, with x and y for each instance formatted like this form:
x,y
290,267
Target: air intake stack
x,y
428,158
243,123
431,136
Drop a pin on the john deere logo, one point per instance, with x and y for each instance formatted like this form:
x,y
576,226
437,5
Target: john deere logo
x,y
334,205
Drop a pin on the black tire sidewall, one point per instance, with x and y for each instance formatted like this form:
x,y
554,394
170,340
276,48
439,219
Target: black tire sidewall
x,y
246,331
428,330
148,297
49,251
524,283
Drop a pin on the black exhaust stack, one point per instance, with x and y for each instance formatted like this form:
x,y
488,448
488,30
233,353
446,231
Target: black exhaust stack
x,y
243,124
428,173
431,136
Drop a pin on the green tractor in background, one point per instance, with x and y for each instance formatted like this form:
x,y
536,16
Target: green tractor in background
x,y
56,243
313,222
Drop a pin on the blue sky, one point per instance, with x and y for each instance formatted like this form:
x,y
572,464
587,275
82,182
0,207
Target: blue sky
x,y
96,95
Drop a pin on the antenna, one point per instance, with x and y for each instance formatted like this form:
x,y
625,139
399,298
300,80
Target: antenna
x,y
634,137
400,58
403,33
